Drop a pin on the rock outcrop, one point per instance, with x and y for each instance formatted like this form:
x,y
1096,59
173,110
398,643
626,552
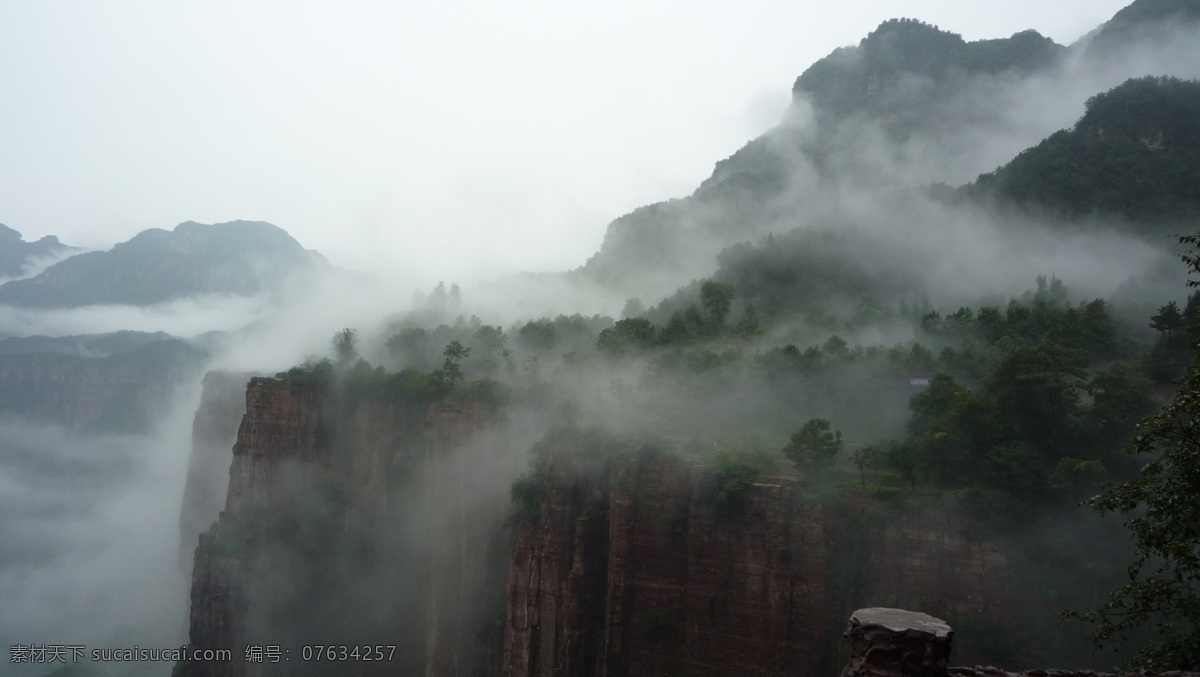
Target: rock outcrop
x,y
355,520
628,569
897,643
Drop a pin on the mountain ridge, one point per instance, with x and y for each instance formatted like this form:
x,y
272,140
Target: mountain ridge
x,y
156,265
909,117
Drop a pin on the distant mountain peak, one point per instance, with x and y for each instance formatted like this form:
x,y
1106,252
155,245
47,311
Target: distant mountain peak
x,y
866,77
18,257
156,265
1140,21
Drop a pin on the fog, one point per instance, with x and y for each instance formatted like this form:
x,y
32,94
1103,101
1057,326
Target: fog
x,y
90,536
468,145
454,140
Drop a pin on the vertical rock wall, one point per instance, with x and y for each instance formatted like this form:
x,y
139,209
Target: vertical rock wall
x,y
214,431
376,521
631,572
360,521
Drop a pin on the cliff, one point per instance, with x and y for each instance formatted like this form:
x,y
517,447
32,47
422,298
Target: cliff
x,y
355,520
629,569
214,431
371,519
122,391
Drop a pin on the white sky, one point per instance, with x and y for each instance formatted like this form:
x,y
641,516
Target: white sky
x,y
440,138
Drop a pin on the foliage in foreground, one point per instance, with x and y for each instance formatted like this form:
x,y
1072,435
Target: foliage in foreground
x,y
1162,595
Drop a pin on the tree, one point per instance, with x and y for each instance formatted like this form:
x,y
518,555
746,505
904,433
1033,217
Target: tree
x,y
632,333
1191,317
1162,596
455,352
727,480
716,297
1168,319
902,458
1036,389
538,335
491,344
814,447
1163,592
748,326
633,308
862,458
345,346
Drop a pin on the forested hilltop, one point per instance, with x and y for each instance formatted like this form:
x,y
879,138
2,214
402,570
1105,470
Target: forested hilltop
x,y
1134,155
914,105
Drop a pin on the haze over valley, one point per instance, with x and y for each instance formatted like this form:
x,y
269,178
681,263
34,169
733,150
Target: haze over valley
x,y
575,341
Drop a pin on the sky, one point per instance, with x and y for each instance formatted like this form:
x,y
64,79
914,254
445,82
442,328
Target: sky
x,y
448,140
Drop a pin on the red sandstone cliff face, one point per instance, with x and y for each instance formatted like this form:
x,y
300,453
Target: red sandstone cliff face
x,y
628,571
354,522
382,522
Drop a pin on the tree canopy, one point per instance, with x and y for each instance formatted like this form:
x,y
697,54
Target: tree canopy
x,y
1162,595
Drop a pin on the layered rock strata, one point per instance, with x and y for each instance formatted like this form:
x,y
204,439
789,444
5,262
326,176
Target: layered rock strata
x,y
630,570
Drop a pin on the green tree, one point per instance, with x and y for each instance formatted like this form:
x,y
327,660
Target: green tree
x,y
1162,595
1036,389
1163,504
492,345
726,481
410,346
864,458
625,335
1167,321
1121,397
1191,317
716,297
951,430
748,326
455,353
345,346
633,307
902,459
814,447
538,336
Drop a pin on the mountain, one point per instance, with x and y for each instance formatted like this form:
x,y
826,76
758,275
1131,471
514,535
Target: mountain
x,y
1142,21
17,256
902,79
238,257
1135,154
672,493
877,77
911,105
